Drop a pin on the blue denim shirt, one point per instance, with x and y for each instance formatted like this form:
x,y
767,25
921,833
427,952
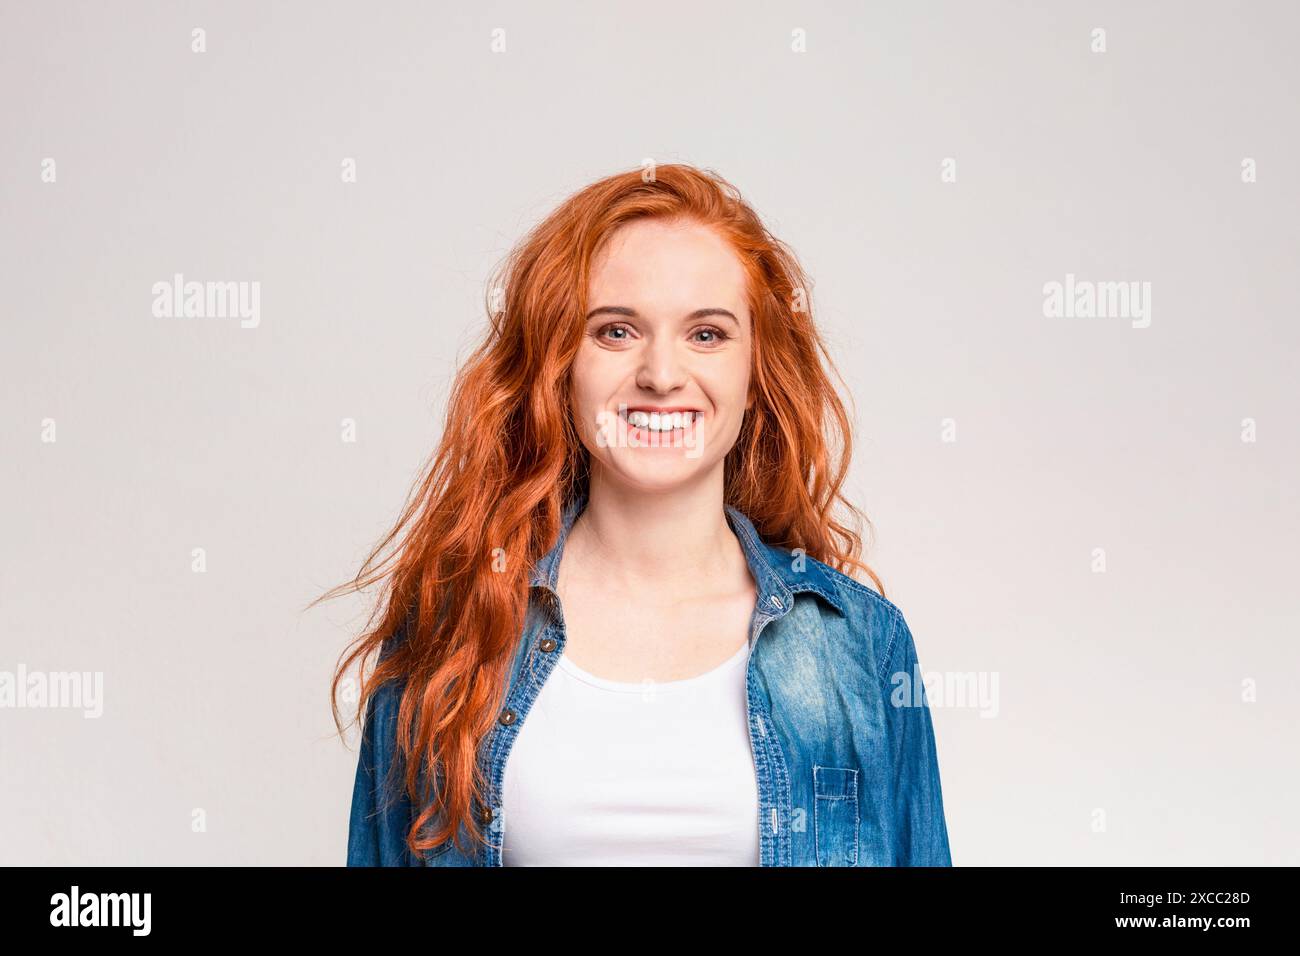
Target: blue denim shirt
x,y
842,739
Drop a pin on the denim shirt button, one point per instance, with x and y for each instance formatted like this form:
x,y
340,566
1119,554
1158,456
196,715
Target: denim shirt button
x,y
776,601
547,644
485,815
507,717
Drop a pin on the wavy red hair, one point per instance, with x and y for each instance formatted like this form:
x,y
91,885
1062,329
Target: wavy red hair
x,y
490,499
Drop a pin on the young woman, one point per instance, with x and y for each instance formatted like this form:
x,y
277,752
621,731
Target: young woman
x,y
618,625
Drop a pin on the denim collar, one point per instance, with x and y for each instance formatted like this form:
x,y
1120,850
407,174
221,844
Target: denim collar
x,y
772,567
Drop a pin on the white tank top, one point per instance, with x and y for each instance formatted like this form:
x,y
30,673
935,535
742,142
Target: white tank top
x,y
605,773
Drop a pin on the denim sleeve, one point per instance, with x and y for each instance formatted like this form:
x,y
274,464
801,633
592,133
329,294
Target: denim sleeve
x,y
919,834
381,809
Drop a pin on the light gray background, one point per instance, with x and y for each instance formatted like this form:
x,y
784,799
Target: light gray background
x,y
1118,691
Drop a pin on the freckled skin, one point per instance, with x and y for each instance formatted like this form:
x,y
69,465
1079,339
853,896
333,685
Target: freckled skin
x,y
665,272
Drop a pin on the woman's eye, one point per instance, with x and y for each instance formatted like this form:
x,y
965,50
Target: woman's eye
x,y
716,336
613,328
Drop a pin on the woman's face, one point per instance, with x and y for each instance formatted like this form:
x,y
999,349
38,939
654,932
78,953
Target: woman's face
x,y
667,341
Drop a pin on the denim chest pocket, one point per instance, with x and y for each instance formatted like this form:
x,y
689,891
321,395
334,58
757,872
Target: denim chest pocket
x,y
835,815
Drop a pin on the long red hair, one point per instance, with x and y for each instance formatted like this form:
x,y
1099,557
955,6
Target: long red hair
x,y
491,497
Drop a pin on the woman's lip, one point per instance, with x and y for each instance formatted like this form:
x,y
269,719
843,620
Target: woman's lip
x,y
660,411
651,438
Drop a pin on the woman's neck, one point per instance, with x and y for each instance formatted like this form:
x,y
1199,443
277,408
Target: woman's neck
x,y
678,541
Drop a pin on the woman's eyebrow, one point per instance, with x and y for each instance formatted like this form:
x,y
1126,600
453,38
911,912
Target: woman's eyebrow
x,y
633,314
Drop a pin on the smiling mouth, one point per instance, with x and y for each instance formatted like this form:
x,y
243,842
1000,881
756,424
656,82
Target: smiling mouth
x,y
664,423
677,429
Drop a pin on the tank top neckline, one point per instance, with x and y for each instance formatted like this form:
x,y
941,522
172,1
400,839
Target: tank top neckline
x,y
625,687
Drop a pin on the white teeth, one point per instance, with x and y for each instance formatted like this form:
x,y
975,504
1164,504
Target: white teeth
x,y
661,421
